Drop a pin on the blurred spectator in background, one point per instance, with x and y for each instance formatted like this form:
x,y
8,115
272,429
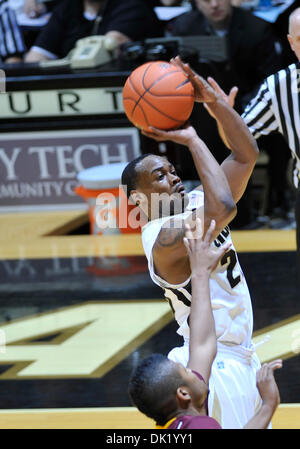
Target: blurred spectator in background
x,y
12,47
277,108
72,20
251,45
36,8
171,2
252,55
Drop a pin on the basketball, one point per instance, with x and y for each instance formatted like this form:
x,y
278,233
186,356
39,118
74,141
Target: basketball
x,y
158,94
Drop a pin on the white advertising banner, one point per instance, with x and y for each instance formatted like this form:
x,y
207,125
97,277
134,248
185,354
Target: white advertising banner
x,y
61,102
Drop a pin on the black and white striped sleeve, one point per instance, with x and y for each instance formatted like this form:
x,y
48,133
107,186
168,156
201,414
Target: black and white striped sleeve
x,y
259,115
11,38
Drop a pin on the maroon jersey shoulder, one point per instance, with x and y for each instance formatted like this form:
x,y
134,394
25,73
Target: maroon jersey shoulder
x,y
194,422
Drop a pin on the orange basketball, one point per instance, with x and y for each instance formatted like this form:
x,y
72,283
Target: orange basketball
x,y
158,94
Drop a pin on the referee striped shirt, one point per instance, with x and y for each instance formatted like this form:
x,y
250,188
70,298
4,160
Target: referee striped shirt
x,y
276,107
11,39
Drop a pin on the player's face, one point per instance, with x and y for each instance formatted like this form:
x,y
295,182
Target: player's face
x,y
197,389
216,11
164,190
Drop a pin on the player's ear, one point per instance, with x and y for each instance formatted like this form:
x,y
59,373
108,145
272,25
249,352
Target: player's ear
x,y
137,197
183,396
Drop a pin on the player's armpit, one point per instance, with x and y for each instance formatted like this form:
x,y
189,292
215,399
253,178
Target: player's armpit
x,y
173,231
170,236
170,256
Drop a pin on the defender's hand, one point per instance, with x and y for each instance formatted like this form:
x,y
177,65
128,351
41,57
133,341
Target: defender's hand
x,y
203,257
266,383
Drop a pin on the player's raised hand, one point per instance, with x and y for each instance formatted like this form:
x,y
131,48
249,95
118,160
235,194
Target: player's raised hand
x,y
229,99
203,91
269,393
266,383
181,135
203,257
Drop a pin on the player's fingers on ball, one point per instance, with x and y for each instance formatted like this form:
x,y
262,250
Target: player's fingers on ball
x,y
157,131
148,133
184,66
177,61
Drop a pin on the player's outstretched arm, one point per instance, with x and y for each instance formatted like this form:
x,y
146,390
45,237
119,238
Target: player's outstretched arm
x,y
238,166
203,259
218,202
229,99
269,393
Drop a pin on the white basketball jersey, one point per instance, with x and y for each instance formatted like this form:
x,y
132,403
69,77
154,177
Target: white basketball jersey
x,y
231,302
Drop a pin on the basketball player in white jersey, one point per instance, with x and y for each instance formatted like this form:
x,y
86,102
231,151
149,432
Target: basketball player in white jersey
x,y
154,186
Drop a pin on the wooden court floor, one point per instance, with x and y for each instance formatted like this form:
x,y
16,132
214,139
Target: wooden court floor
x,y
78,312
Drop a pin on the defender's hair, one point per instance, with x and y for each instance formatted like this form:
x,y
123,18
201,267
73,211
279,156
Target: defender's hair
x,y
130,174
153,385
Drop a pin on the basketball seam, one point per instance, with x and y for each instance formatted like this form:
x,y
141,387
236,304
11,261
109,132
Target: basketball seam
x,y
159,79
152,106
156,81
145,116
141,96
161,112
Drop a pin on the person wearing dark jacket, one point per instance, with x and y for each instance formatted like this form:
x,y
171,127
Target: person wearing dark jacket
x,y
252,55
71,20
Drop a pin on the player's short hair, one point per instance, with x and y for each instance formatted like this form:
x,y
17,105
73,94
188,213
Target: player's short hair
x,y
130,174
153,385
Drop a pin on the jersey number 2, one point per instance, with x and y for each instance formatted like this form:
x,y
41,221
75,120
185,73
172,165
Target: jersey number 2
x,y
231,255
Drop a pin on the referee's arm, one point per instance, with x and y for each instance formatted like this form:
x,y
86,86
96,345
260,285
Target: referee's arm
x,y
12,45
258,114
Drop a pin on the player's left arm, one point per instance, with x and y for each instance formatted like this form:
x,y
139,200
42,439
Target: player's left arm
x,y
203,259
239,165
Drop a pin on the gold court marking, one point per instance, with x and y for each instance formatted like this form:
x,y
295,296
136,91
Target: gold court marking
x,y
284,340
99,335
287,416
129,245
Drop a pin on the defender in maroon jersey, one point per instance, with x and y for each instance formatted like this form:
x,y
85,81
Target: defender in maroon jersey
x,y
175,397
